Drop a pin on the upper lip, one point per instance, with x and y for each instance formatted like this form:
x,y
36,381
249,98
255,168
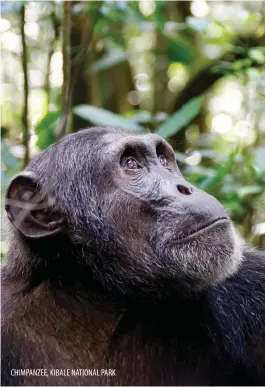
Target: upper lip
x,y
202,228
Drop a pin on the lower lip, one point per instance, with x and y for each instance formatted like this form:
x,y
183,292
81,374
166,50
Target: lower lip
x,y
203,229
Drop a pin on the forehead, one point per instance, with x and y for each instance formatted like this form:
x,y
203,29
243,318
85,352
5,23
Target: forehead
x,y
114,141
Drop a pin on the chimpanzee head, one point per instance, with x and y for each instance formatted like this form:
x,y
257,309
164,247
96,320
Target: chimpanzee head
x,y
127,213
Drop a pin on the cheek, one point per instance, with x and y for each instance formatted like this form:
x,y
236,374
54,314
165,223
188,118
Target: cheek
x,y
125,214
137,188
127,237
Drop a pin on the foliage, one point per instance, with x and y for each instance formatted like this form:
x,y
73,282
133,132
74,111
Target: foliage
x,y
193,72
181,118
46,129
103,117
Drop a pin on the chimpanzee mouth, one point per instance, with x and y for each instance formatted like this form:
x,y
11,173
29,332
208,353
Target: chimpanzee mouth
x,y
202,229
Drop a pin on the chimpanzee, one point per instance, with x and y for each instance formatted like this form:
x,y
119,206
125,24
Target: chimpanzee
x,y
120,272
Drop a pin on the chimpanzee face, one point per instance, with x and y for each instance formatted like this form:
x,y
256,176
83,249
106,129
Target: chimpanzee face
x,y
129,213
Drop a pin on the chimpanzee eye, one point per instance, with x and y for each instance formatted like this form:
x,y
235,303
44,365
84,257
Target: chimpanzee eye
x,y
163,160
130,163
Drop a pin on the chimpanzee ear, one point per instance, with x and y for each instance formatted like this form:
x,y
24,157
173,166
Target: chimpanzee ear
x,y
31,213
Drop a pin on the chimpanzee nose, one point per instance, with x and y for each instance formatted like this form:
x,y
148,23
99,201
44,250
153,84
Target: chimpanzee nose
x,y
184,190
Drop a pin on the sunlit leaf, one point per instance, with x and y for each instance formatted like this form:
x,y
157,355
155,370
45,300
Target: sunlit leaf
x,y
104,117
211,154
5,179
249,190
158,14
181,118
257,55
3,249
141,116
46,129
233,205
221,171
223,68
179,50
200,171
180,157
7,157
259,160
11,6
197,24
242,64
109,60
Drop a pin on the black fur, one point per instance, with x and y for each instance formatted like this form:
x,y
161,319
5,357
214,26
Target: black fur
x,y
124,285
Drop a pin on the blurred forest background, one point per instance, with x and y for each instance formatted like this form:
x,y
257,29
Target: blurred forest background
x,y
193,71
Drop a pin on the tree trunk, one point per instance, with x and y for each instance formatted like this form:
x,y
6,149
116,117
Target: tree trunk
x,y
25,123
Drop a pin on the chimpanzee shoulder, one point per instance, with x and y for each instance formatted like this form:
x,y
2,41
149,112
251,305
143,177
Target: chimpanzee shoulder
x,y
238,306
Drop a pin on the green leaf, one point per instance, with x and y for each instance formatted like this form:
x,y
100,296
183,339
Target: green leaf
x,y
223,68
141,116
7,157
46,129
249,190
179,50
158,15
3,249
259,158
181,118
257,55
11,6
197,24
221,171
109,60
242,64
200,171
103,117
5,179
181,157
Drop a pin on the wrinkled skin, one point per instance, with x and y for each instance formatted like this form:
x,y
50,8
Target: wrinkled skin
x,y
139,213
116,261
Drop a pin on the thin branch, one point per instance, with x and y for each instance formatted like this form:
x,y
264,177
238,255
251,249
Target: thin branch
x,y
88,41
197,85
87,44
205,78
51,48
73,63
24,58
202,82
66,49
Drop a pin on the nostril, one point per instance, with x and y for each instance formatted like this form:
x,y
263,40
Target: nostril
x,y
184,190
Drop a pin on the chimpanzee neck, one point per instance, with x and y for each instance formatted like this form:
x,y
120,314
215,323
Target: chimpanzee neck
x,y
64,273
96,321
